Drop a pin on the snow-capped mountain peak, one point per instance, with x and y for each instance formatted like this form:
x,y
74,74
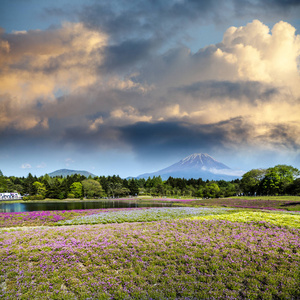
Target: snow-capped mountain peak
x,y
197,165
201,160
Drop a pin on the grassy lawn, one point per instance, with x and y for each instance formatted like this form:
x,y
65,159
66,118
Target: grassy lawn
x,y
152,253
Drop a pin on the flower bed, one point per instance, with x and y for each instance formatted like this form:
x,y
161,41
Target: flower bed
x,y
145,215
245,203
175,259
291,219
39,218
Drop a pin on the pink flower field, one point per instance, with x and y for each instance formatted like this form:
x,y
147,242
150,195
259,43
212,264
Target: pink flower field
x,y
166,259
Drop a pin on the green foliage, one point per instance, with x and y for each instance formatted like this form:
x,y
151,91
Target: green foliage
x,y
294,188
271,183
39,189
278,180
133,187
211,190
76,189
287,175
3,183
34,197
251,180
92,188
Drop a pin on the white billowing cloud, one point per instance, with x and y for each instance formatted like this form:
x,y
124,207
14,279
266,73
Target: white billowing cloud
x,y
252,75
261,55
248,54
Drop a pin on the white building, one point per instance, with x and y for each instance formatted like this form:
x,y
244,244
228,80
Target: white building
x,y
10,196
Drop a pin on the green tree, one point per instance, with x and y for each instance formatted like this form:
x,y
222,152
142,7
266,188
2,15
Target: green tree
x,y
10,186
230,190
92,188
200,192
271,183
3,183
251,180
39,188
294,188
28,188
279,179
55,189
159,189
76,189
189,191
211,190
114,189
133,187
287,175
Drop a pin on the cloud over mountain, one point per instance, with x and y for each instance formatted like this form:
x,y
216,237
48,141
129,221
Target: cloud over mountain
x,y
95,84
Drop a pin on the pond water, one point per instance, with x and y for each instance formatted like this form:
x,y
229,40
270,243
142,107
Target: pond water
x,y
69,205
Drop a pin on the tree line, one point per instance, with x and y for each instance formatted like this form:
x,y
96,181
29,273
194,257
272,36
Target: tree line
x,y
278,180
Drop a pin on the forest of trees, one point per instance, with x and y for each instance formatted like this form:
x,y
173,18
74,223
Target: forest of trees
x,y
278,180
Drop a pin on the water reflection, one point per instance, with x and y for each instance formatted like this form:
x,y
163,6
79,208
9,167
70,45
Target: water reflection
x,y
67,205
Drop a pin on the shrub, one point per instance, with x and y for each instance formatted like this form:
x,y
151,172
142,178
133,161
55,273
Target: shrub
x,y
34,197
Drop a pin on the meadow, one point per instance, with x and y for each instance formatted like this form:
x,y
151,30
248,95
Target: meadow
x,y
290,203
151,253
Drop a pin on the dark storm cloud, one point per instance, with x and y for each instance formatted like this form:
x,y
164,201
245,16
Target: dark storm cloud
x,y
285,3
267,9
154,139
252,90
123,55
172,137
35,139
161,17
271,5
283,135
119,18
138,28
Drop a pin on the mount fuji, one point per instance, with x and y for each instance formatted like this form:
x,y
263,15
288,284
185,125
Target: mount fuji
x,y
197,165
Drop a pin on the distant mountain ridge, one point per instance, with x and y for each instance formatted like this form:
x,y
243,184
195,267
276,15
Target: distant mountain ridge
x,y
197,165
67,172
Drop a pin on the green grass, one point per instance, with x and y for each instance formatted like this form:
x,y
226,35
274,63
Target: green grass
x,y
293,208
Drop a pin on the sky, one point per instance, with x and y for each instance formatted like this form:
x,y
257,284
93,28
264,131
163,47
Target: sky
x,y
129,87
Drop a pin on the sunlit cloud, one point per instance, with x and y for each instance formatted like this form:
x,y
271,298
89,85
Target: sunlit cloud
x,y
36,64
241,93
